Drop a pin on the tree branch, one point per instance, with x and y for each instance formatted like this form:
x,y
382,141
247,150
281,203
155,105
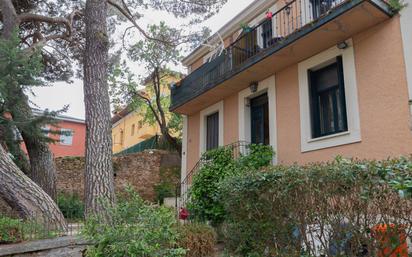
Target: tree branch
x,y
128,15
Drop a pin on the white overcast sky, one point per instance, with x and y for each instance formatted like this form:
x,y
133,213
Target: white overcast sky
x,y
60,94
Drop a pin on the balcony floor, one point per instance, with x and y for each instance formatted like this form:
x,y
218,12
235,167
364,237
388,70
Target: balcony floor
x,y
340,24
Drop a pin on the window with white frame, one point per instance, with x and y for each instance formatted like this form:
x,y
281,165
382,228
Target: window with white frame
x,y
211,127
66,136
329,100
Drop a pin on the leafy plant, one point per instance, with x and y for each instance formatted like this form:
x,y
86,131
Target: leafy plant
x,y
136,229
397,5
319,209
16,230
10,230
199,239
169,177
204,204
71,205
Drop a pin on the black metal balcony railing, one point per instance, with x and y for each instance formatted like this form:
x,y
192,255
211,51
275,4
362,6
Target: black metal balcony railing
x,y
238,150
273,31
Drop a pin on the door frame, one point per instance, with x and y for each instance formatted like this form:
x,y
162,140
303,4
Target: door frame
x,y
267,85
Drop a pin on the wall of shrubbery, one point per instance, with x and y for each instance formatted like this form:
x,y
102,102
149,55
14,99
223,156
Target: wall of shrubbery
x,y
341,208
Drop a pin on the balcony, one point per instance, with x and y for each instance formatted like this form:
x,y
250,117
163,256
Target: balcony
x,y
298,30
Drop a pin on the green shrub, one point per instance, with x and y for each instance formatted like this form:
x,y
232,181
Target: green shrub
x,y
136,229
320,209
169,178
71,206
10,230
16,230
198,239
218,164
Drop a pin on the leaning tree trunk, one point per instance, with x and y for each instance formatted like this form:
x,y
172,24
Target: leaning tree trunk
x,y
42,168
99,180
26,197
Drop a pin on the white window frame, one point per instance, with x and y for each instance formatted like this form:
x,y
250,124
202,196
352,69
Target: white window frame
x,y
218,107
320,60
66,136
265,86
258,20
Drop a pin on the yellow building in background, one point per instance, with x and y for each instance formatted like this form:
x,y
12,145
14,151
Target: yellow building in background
x,y
128,126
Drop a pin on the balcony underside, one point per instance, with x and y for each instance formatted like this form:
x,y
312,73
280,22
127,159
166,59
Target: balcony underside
x,y
340,24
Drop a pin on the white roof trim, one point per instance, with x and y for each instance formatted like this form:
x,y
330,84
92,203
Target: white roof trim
x,y
247,15
37,112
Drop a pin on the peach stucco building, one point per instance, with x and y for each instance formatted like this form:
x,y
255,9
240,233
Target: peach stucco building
x,y
312,78
70,143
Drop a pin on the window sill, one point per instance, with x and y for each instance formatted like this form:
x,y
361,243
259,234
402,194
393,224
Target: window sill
x,y
328,136
335,140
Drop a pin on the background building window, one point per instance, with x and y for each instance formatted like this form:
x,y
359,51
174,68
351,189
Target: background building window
x,y
133,129
66,137
121,137
327,100
45,130
212,131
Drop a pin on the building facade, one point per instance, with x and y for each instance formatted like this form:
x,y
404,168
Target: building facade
x,y
72,142
129,129
128,125
312,78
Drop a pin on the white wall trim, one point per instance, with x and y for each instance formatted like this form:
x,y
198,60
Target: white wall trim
x,y
406,29
352,107
218,107
184,149
267,85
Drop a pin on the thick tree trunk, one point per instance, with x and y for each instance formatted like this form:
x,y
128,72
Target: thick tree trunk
x,y
26,197
99,180
42,167
172,141
10,19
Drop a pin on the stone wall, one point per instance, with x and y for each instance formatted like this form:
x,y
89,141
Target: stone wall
x,y
143,171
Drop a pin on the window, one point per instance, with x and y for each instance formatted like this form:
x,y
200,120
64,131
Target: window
x,y
45,130
133,129
320,7
211,127
121,137
327,100
267,33
212,131
140,124
66,137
